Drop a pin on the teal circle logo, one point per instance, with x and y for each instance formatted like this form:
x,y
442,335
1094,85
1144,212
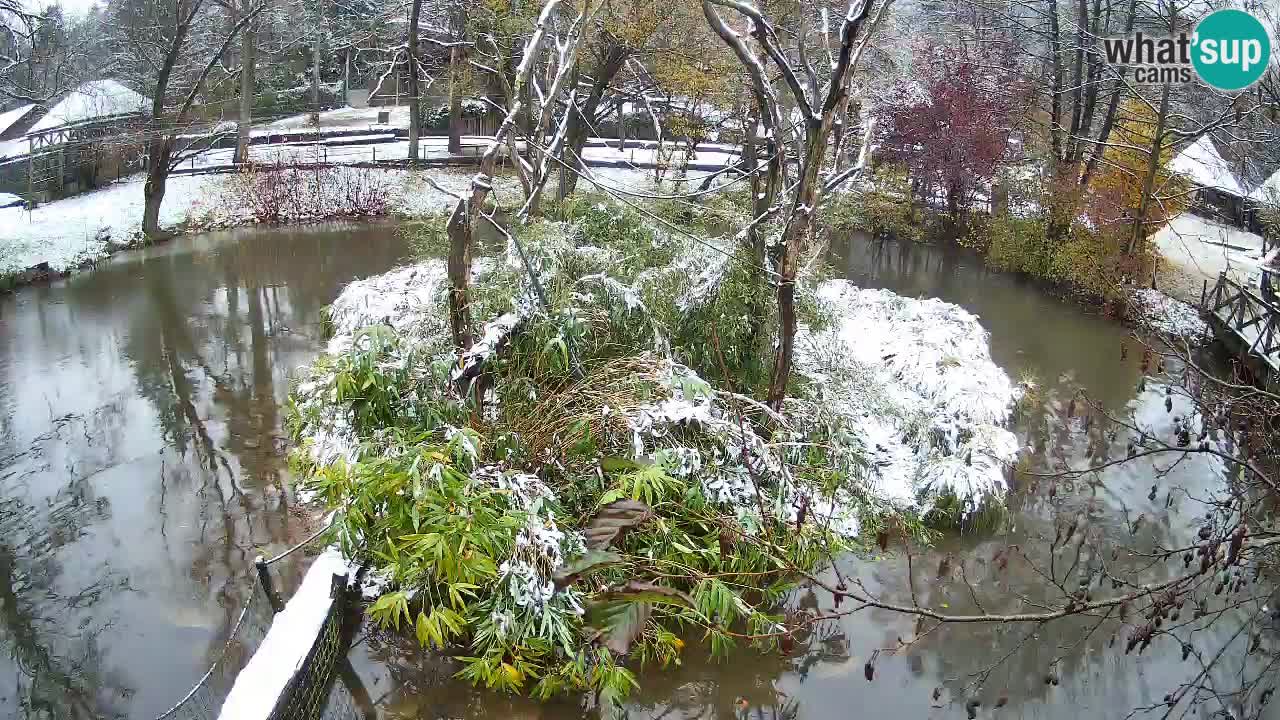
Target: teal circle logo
x,y
1231,49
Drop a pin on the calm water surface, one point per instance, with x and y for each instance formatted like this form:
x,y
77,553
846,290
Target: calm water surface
x,y
142,459
142,469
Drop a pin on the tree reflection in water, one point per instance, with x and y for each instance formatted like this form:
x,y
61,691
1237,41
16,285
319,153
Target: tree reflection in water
x,y
141,453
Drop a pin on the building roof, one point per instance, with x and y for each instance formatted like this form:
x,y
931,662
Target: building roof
x,y
90,101
1268,191
1203,165
12,117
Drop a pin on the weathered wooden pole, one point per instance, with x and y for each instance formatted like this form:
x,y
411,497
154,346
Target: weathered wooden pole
x,y
264,577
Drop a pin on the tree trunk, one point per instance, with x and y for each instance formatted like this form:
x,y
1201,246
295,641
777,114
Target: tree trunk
x,y
1149,179
455,100
248,59
797,233
346,77
315,74
579,130
158,154
415,103
459,269
622,126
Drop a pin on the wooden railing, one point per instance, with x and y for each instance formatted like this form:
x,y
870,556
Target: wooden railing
x,y
1254,319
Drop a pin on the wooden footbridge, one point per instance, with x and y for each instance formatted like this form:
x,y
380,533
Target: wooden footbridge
x,y
1248,324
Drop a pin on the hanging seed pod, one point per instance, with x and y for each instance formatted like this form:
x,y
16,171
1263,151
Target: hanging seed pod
x,y
1168,404
1186,560
1237,542
1255,641
971,708
937,693
1152,495
1186,651
869,671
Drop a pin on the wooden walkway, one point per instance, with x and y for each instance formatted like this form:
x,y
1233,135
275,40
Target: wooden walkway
x,y
1250,324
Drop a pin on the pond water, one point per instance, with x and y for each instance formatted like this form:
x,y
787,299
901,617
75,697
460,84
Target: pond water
x,y
142,459
142,468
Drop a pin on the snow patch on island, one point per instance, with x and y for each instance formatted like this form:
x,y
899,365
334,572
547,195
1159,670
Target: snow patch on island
x,y
407,299
916,386
1162,314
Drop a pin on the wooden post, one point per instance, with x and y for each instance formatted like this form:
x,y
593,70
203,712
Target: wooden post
x,y
31,171
264,577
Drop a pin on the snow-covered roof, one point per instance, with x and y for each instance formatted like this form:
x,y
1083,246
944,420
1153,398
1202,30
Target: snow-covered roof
x,y
1268,191
96,100
1203,165
10,117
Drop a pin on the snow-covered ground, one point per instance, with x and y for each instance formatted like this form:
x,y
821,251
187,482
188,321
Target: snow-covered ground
x,y
74,231
71,232
1163,314
384,148
1205,248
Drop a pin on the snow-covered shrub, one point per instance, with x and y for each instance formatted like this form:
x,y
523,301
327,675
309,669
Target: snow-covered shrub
x,y
883,207
920,397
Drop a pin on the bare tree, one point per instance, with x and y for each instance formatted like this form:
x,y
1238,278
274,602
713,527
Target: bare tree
x,y
461,224
161,40
817,107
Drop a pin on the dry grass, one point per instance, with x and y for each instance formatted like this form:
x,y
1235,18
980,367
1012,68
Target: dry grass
x,y
553,426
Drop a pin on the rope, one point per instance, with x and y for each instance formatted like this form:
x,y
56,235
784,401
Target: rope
x,y
204,678
289,552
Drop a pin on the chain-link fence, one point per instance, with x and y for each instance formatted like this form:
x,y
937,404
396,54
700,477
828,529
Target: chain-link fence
x,y
306,695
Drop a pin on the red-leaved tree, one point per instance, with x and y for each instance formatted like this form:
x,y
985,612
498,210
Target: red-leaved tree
x,y
950,128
